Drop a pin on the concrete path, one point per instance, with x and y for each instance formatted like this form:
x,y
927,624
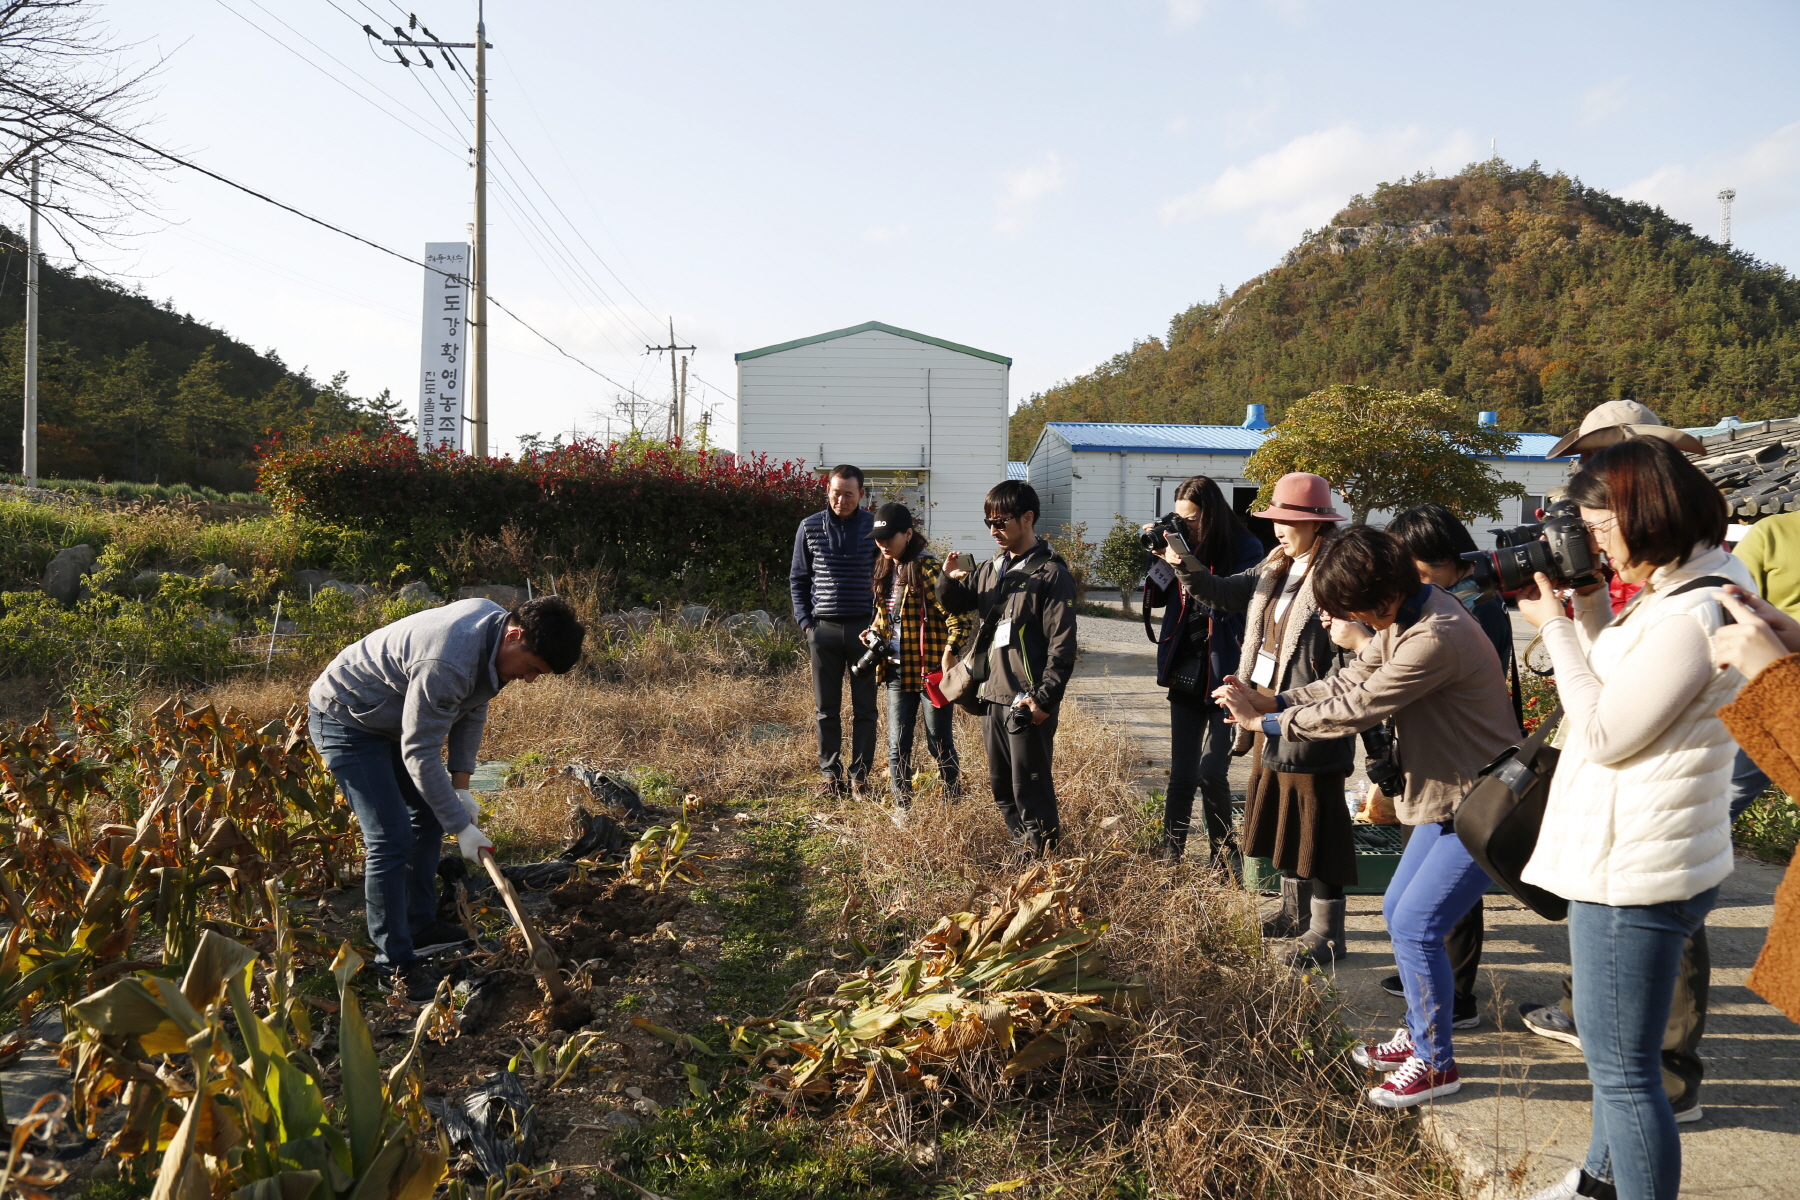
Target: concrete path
x,y
1522,1118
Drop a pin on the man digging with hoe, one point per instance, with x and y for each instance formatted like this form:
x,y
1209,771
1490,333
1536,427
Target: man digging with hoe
x,y
382,715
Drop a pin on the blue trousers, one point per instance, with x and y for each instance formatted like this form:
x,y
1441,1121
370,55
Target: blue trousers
x,y
1748,781
1625,959
940,723
1434,887
401,836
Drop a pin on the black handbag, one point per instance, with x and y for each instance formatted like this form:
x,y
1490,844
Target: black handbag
x,y
1498,820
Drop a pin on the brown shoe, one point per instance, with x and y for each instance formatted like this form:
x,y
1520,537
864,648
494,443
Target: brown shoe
x,y
859,790
831,789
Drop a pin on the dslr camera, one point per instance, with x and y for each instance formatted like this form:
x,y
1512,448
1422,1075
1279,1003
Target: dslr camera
x,y
1383,771
1557,546
1157,536
870,659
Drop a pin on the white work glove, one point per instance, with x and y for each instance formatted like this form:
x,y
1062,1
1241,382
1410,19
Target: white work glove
x,y
471,841
470,805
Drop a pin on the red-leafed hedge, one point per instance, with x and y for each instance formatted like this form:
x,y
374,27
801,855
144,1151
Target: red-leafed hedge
x,y
648,511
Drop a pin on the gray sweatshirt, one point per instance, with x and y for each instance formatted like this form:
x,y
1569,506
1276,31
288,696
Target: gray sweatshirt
x,y
423,681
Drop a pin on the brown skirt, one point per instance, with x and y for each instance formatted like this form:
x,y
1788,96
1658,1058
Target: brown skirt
x,y
1300,823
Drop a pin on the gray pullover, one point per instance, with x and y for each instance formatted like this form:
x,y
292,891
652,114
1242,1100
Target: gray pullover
x,y
423,681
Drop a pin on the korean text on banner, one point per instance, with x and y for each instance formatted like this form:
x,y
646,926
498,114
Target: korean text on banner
x,y
441,346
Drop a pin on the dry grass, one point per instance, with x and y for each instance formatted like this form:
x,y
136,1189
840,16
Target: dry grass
x,y
1236,1086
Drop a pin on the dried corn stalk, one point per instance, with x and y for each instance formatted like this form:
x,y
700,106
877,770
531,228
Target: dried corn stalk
x,y
1023,978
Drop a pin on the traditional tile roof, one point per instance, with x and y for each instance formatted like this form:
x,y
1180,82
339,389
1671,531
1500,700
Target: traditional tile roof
x,y
1120,437
1756,465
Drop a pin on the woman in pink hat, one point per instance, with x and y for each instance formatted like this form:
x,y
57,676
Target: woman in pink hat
x,y
1294,812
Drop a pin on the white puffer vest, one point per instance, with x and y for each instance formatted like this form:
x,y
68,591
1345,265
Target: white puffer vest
x,y
1656,826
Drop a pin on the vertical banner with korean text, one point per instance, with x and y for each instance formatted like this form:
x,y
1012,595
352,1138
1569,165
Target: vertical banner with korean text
x,y
441,352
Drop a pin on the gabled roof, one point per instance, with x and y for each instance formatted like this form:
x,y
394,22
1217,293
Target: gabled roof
x,y
1116,438
866,327
1018,470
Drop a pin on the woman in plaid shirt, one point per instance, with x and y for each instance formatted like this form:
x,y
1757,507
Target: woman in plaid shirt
x,y
920,636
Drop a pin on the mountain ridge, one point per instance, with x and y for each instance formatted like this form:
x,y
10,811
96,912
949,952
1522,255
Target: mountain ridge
x,y
1513,289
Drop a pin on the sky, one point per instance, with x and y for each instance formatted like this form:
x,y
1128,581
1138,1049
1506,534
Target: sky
x,y
1049,181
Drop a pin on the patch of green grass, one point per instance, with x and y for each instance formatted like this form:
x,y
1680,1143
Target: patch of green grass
x,y
720,1155
1769,828
133,1183
762,954
629,1002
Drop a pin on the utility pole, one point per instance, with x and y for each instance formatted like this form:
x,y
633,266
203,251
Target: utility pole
x,y
28,458
681,408
1726,196
675,373
478,287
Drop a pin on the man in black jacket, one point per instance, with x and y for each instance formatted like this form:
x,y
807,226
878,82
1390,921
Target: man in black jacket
x,y
1026,598
831,585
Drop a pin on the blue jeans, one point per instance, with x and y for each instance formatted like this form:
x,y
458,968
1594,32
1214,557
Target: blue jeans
x,y
1625,959
1434,887
1748,781
939,724
401,836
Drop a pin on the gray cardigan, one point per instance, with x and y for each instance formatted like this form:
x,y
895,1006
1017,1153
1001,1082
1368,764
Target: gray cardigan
x,y
424,681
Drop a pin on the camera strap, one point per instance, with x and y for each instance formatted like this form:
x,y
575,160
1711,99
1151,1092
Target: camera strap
x,y
1692,585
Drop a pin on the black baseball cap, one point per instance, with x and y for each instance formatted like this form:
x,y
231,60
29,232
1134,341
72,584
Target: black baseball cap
x,y
891,519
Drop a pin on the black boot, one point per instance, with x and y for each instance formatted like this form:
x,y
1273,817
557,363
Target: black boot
x,y
1322,944
1295,913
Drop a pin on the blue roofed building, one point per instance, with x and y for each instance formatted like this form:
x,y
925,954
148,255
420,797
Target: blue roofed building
x,y
1086,471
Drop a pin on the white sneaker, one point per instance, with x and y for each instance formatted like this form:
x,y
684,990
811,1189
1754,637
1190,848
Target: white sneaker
x,y
1562,1189
1549,1020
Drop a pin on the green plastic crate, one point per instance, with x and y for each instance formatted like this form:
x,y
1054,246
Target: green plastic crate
x,y
1377,856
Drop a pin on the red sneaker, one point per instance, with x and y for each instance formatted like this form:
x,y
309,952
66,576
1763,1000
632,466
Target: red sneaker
x,y
1390,1055
1415,1083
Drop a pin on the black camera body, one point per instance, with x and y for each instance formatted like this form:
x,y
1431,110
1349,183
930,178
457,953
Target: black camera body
x,y
1383,771
870,660
1155,538
1557,546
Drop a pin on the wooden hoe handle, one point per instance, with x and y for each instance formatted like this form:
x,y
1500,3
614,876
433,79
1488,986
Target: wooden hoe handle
x,y
543,958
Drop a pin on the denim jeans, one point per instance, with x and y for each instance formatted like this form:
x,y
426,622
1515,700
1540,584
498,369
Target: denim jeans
x,y
1748,781
1434,887
1199,759
1625,959
401,836
902,707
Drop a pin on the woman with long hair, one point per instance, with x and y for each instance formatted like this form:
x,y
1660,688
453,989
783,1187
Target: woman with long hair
x,y
1199,645
920,637
1294,810
1637,831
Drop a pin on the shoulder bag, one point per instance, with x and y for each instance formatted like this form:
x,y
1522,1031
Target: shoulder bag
x,y
1498,820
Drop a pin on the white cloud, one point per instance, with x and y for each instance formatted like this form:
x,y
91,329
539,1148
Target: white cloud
x,y
1300,185
1183,13
886,233
1025,187
1602,101
1766,175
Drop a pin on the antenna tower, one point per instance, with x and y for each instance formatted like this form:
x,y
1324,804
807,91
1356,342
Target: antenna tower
x,y
1726,196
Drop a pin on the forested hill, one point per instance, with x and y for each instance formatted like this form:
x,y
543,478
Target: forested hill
x,y
130,389
1511,289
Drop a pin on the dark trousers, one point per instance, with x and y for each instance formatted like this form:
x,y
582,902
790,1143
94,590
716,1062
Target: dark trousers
x,y
1018,755
401,835
1463,943
1199,757
1682,1069
834,647
902,708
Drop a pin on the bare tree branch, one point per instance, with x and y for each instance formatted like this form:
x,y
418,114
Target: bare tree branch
x,y
67,97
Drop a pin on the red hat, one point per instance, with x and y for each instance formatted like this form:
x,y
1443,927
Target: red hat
x,y
1301,497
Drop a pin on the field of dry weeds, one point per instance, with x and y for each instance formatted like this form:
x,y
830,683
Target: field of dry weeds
x,y
1232,1082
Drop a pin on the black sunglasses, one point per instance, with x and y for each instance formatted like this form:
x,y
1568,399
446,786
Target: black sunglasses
x,y
998,522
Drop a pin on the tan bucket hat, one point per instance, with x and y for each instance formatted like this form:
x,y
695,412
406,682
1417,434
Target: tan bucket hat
x,y
1617,420
1301,497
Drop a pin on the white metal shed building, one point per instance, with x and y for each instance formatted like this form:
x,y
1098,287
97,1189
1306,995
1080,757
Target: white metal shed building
x,y
1085,472
924,418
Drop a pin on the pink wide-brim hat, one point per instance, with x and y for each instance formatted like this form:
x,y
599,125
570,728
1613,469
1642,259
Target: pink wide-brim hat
x,y
1301,497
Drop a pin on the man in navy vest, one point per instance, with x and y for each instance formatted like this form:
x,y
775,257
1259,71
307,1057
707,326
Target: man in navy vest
x,y
831,582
